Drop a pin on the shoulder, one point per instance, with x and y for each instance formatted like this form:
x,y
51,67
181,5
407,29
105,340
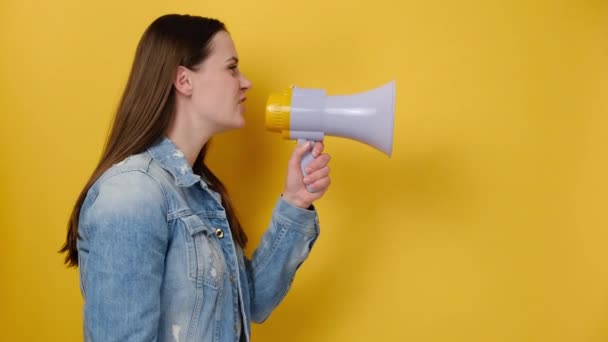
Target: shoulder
x,y
138,163
128,185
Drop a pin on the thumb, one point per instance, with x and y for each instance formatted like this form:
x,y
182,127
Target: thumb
x,y
299,152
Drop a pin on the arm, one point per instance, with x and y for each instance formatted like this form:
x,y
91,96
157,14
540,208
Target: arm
x,y
126,231
284,247
293,230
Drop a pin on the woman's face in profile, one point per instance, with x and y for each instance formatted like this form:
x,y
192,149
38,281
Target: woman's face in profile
x,y
219,87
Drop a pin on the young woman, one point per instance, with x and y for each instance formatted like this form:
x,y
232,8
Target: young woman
x,y
156,239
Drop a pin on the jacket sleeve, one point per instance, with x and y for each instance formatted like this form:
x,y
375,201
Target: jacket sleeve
x,y
284,246
124,235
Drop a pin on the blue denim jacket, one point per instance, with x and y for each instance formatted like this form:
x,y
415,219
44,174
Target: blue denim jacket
x,y
158,262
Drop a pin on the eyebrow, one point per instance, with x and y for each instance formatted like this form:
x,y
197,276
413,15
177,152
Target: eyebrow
x,y
236,60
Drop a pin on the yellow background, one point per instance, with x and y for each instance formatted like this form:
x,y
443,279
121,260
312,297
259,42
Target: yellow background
x,y
488,223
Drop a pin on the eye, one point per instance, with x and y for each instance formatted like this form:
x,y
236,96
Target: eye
x,y
234,68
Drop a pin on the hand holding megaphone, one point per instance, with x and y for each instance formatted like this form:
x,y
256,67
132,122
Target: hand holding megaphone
x,y
308,115
302,190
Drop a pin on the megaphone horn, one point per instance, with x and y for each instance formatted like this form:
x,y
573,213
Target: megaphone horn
x,y
309,115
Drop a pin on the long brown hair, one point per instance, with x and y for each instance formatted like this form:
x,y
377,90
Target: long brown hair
x,y
147,104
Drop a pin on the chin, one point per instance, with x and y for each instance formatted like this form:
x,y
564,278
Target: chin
x,y
239,123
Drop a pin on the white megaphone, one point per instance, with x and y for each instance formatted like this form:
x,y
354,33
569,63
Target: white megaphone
x,y
310,115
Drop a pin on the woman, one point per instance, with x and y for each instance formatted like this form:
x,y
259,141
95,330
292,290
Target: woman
x,y
158,244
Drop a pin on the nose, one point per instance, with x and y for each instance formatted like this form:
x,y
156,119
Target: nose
x,y
245,83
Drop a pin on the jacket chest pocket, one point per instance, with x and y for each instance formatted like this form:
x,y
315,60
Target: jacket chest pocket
x,y
206,263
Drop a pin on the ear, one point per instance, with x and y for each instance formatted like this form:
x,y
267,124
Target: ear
x,y
182,81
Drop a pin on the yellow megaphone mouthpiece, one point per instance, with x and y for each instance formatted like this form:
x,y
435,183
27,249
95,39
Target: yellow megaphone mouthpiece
x,y
278,110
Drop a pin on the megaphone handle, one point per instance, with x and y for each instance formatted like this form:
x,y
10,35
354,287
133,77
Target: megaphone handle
x,y
307,159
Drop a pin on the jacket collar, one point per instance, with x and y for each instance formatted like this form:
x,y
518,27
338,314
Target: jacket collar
x,y
172,159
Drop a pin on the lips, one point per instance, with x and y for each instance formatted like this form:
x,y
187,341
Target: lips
x,y
242,104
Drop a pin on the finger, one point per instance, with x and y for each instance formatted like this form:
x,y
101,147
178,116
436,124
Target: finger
x,y
321,185
315,176
317,149
319,163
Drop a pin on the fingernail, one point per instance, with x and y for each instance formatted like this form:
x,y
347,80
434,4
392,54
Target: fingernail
x,y
306,180
308,170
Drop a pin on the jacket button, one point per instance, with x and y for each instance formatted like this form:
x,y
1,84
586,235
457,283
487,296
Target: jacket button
x,y
219,233
231,280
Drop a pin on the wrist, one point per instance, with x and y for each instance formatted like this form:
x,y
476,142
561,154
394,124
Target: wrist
x,y
293,200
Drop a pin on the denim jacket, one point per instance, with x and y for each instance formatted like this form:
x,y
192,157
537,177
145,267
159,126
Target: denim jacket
x,y
157,260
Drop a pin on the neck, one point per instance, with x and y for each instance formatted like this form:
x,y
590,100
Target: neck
x,y
188,135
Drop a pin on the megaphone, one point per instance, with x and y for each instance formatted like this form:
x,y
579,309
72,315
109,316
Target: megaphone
x,y
309,115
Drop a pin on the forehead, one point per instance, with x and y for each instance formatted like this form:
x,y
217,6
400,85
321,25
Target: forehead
x,y
222,46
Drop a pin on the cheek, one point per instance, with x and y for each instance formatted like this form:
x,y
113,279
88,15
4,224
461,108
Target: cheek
x,y
204,101
207,95
217,97
230,91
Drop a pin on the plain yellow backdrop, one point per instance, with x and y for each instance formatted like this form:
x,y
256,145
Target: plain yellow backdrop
x,y
487,224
